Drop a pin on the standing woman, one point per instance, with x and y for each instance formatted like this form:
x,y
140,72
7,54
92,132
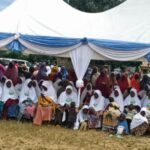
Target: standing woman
x,y
46,103
96,108
9,97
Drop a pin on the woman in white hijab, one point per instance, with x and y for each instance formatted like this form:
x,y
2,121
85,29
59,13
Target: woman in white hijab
x,y
9,97
28,99
18,86
118,97
96,108
139,124
46,103
146,101
133,99
66,111
87,92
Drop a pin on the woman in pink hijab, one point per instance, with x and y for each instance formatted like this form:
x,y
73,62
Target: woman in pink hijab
x,y
12,73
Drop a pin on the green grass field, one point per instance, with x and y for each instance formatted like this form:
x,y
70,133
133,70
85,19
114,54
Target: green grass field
x,y
25,136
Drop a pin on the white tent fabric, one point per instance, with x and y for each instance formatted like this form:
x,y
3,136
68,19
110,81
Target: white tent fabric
x,y
127,22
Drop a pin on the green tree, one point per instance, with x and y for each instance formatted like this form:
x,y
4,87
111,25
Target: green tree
x,y
93,5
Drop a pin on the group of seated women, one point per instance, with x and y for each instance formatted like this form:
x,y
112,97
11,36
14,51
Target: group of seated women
x,y
57,103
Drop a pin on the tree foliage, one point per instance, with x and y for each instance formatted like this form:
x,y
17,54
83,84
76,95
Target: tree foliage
x,y
94,5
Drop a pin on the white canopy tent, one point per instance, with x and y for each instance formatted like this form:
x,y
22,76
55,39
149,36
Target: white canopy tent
x,y
127,22
26,21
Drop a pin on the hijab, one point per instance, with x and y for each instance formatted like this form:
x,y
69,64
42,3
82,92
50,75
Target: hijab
x,y
132,100
85,91
138,119
50,92
97,103
118,99
28,93
8,93
65,98
18,87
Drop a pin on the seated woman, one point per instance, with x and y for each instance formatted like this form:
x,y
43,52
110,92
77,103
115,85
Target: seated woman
x,y
9,98
133,99
18,86
66,111
96,108
46,103
139,124
118,97
111,114
27,101
86,95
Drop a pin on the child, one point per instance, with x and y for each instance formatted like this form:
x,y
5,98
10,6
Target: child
x,y
122,127
83,118
130,112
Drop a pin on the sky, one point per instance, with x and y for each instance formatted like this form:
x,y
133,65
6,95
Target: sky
x,y
5,3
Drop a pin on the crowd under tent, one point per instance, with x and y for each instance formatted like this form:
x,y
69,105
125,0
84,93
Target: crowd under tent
x,y
52,27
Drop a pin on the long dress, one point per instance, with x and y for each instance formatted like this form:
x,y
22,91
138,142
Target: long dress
x,y
96,108
9,97
27,101
46,104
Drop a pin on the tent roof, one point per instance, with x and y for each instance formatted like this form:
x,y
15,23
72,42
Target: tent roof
x,y
127,22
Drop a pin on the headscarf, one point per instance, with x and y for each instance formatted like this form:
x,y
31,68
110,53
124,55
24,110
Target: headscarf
x,y
9,93
138,119
56,84
135,83
51,93
2,71
18,87
12,73
123,83
42,72
119,98
97,103
85,91
65,98
102,83
63,73
37,89
28,93
132,100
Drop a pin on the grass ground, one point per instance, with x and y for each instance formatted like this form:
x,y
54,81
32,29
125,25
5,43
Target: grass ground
x,y
25,136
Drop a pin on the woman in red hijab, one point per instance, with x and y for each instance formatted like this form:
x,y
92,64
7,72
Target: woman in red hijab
x,y
103,84
12,73
135,82
123,83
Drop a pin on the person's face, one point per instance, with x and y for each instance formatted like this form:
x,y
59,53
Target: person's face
x,y
146,88
8,84
3,80
30,84
132,94
44,88
143,113
40,83
88,87
34,83
116,93
85,111
96,95
68,91
19,81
